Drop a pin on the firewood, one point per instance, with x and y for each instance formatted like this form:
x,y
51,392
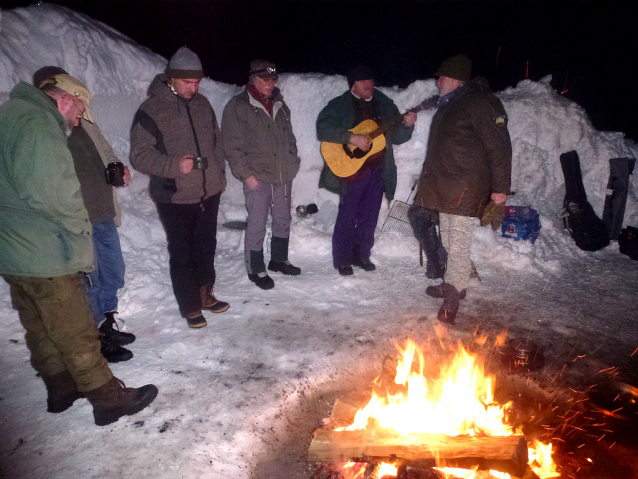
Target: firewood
x,y
503,453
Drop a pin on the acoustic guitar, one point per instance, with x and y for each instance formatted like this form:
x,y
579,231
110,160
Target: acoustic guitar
x,y
346,160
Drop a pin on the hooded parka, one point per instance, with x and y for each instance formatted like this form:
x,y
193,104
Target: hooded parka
x,y
165,128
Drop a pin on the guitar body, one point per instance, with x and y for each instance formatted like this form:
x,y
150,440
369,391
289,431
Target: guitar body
x,y
346,160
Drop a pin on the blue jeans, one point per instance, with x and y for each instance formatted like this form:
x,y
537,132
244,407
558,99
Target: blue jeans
x,y
109,274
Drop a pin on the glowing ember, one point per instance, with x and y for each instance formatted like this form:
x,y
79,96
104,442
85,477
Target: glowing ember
x,y
460,402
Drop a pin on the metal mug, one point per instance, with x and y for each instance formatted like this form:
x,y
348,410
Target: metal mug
x,y
200,163
114,173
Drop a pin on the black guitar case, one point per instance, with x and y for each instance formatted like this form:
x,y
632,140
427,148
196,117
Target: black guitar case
x,y
588,230
617,189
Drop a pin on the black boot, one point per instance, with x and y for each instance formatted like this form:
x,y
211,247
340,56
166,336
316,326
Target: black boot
x,y
111,332
113,352
264,282
62,391
114,400
284,267
365,264
450,306
196,320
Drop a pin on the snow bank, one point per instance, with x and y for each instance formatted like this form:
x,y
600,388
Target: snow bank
x,y
542,123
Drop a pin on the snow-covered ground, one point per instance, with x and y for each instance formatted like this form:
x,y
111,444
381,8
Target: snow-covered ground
x,y
262,374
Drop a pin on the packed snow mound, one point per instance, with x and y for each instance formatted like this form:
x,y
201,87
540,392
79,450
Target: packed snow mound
x,y
542,124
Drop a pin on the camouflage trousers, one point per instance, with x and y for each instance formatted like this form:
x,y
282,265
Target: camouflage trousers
x,y
61,333
456,235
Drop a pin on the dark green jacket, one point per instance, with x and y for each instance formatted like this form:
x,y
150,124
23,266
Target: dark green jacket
x,y
469,153
338,117
44,227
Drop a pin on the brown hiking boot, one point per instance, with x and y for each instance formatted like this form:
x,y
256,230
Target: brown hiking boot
x,y
62,391
209,302
114,400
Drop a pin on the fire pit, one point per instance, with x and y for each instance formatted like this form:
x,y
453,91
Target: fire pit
x,y
417,427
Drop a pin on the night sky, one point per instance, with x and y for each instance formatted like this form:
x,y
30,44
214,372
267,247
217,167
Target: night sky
x,y
588,47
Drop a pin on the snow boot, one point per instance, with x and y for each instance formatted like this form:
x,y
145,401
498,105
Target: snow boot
x,y
196,320
284,267
365,264
111,332
437,291
209,302
262,280
346,271
114,400
62,391
113,352
450,306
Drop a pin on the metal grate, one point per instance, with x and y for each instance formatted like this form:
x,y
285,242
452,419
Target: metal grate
x,y
397,219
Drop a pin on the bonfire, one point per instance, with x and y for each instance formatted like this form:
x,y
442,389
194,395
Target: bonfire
x,y
417,422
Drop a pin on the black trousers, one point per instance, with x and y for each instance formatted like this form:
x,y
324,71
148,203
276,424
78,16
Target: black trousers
x,y
192,239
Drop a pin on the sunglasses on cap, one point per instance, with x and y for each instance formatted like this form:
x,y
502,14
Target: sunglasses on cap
x,y
266,73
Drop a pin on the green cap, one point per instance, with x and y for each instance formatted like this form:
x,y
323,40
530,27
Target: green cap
x,y
458,67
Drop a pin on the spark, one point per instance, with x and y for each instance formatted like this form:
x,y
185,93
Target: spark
x,y
634,352
612,445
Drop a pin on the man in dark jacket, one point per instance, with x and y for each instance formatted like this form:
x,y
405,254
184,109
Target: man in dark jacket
x,y
91,154
262,151
467,164
176,140
360,194
46,247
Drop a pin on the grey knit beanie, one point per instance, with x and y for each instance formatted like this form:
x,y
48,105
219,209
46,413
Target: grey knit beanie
x,y
185,64
458,67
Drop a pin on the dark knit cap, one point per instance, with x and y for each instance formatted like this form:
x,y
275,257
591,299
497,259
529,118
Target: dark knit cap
x,y
185,64
46,73
264,69
359,73
458,67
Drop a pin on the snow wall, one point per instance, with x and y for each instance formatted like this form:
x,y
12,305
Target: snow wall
x,y
118,71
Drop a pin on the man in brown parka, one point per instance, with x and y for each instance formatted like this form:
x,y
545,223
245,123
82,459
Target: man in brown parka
x,y
176,140
468,163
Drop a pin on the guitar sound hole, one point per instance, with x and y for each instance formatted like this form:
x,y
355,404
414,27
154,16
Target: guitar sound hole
x,y
357,153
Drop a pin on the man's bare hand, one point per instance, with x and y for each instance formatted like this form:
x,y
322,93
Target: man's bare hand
x,y
251,182
409,118
127,176
499,198
361,141
186,164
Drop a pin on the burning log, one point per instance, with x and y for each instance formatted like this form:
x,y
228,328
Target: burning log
x,y
503,453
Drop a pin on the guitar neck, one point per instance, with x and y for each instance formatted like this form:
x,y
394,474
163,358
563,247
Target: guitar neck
x,y
424,105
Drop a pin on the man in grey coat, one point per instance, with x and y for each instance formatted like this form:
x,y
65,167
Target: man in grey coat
x,y
262,151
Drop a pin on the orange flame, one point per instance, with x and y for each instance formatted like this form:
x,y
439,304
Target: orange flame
x,y
459,402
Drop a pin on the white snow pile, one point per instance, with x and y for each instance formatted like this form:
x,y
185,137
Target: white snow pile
x,y
221,388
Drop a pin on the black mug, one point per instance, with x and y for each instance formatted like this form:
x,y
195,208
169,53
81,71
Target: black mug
x,y
115,173
200,163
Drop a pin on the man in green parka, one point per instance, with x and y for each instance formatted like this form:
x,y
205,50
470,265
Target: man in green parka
x,y
360,194
46,247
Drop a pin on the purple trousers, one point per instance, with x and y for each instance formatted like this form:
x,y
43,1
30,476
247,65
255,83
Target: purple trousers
x,y
359,207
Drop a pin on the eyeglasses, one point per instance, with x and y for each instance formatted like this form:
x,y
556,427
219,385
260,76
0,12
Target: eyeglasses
x,y
273,80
